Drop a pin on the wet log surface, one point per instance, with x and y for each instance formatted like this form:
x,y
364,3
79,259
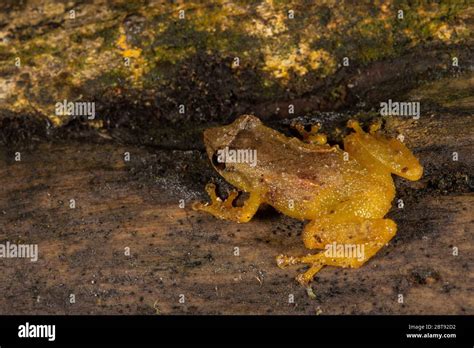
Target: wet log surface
x,y
175,251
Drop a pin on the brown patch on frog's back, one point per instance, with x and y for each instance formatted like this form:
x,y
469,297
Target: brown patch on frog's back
x,y
287,167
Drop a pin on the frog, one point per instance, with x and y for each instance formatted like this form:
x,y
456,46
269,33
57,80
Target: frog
x,y
343,193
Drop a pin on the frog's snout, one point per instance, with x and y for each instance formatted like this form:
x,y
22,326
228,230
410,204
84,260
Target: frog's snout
x,y
213,139
412,173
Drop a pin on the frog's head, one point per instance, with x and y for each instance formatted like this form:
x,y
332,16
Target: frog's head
x,y
401,161
217,139
390,153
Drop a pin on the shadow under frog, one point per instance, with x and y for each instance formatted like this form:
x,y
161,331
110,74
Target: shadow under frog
x,y
344,194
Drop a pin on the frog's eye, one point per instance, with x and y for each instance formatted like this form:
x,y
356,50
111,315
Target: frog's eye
x,y
215,161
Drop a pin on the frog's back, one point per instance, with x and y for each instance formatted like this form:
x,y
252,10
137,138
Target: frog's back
x,y
300,179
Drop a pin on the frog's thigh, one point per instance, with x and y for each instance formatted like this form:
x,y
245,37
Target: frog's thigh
x,y
341,224
373,203
348,241
225,210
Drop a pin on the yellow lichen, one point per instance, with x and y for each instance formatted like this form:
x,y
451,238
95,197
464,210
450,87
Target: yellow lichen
x,y
132,58
299,60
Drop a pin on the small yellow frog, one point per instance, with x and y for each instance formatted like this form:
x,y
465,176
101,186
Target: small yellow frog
x,y
344,194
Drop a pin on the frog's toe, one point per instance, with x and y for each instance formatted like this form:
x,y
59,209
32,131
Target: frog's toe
x,y
375,126
197,206
215,204
355,125
231,198
306,277
285,261
211,191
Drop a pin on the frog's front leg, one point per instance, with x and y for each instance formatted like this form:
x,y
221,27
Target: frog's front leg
x,y
225,210
349,242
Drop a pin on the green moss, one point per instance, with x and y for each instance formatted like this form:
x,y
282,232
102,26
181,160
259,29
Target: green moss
x,y
33,50
109,34
112,78
128,6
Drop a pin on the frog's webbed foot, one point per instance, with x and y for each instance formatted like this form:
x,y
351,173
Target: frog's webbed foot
x,y
348,242
312,136
225,209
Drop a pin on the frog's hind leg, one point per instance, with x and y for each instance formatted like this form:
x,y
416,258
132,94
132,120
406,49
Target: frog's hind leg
x,y
348,242
225,209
